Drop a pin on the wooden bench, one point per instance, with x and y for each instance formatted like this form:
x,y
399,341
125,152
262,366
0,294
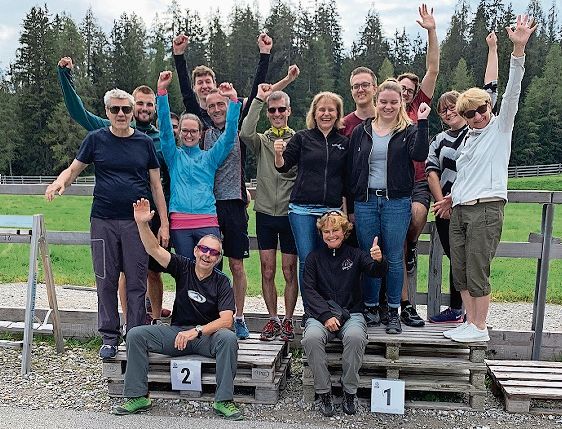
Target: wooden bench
x,y
423,358
262,372
523,381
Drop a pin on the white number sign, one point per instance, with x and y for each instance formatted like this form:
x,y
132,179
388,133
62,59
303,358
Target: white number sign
x,y
185,374
387,396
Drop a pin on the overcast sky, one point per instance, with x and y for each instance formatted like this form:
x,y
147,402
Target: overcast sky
x,y
394,14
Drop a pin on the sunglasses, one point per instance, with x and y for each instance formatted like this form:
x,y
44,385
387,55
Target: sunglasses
x,y
331,213
209,250
469,114
126,109
281,109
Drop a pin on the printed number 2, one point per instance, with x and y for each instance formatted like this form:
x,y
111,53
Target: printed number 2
x,y
188,373
387,391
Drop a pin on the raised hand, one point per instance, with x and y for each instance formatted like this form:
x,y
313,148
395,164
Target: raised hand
x,y
66,62
265,43
142,212
492,40
227,90
54,188
423,111
426,20
375,251
279,146
179,46
293,72
524,27
164,80
264,91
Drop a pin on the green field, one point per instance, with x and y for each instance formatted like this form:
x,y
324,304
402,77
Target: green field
x,y
512,279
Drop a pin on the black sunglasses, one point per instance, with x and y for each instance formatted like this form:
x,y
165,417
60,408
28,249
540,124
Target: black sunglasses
x,y
281,109
126,109
331,213
205,249
469,114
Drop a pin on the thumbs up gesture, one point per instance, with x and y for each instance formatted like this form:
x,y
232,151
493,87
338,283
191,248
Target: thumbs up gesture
x,y
375,251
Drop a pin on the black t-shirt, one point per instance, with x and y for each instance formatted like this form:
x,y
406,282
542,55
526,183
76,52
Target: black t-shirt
x,y
121,170
198,302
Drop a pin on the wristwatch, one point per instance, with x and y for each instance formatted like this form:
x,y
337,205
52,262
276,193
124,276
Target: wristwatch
x,y
199,330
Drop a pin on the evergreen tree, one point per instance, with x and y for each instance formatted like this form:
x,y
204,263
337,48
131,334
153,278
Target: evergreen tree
x,y
461,78
217,46
455,44
11,143
477,44
328,28
371,49
400,52
385,71
280,25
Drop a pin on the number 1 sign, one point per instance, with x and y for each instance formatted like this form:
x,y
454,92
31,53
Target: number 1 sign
x,y
185,374
387,396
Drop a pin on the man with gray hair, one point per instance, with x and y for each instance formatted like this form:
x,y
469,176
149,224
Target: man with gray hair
x,y
126,169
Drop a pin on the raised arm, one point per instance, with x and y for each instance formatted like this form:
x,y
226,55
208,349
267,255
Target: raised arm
x,y
224,144
491,73
143,216
427,21
292,73
189,97
167,139
248,131
73,103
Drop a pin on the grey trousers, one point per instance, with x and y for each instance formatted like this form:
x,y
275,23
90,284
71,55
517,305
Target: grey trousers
x,y
116,246
141,340
354,339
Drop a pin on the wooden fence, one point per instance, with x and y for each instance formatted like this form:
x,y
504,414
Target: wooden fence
x,y
534,170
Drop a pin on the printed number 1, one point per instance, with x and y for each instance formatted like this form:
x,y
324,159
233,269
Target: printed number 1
x,y
387,391
188,373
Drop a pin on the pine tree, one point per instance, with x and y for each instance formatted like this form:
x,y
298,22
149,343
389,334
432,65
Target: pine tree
x,y
455,44
217,46
461,78
385,71
400,51
371,49
477,44
328,28
280,25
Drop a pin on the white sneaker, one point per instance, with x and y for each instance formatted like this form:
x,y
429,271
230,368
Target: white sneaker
x,y
471,334
460,328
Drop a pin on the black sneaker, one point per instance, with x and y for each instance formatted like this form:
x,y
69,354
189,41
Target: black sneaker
x,y
411,258
326,404
303,321
393,326
410,317
372,315
348,403
384,314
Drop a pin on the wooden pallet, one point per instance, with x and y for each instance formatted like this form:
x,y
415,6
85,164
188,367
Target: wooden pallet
x,y
523,381
263,368
422,357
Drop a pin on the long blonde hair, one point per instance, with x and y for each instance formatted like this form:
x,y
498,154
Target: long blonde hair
x,y
402,119
311,122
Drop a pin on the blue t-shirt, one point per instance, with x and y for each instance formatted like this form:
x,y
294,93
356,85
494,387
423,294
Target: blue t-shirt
x,y
121,170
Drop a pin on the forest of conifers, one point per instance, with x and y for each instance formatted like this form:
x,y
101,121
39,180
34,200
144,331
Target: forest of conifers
x,y
38,137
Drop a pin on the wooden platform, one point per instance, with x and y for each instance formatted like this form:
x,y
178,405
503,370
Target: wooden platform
x,y
262,372
523,381
423,358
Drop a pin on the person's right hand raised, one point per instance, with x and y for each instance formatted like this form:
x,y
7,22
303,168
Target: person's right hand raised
x,y
492,40
142,212
265,43
164,80
179,45
66,62
264,91
226,89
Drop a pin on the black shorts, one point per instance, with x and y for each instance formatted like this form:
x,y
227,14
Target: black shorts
x,y
273,229
421,193
154,227
233,223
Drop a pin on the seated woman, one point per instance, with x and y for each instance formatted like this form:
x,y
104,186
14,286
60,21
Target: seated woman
x,y
192,208
332,288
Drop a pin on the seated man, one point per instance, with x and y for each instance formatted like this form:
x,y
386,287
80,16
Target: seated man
x,y
332,289
201,321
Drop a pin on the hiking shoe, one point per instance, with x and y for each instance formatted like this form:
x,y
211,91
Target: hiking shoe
x,y
411,258
393,326
271,330
447,316
454,331
348,403
228,410
372,315
241,329
287,330
384,313
132,406
326,404
471,334
107,351
410,317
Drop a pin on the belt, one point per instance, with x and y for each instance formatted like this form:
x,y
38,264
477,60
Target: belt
x,y
378,192
481,200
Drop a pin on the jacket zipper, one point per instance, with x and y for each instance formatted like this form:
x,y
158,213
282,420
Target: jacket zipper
x,y
326,168
370,151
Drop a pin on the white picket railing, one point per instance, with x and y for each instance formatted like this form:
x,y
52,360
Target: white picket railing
x,y
534,170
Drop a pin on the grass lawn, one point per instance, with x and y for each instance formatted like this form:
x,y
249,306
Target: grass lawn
x,y
512,279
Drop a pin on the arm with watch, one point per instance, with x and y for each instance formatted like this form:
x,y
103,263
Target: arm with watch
x,y
224,321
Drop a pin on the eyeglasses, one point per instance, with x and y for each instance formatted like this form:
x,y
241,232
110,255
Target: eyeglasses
x,y
446,109
331,213
363,85
126,109
469,114
408,91
186,131
281,109
205,249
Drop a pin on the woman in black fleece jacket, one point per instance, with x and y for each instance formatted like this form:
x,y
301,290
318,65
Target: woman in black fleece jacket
x,y
332,288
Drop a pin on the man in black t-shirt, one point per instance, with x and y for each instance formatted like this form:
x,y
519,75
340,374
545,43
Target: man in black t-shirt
x,y
201,321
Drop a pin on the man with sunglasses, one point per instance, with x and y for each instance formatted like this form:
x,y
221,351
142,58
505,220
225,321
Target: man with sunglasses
x,y
126,169
201,321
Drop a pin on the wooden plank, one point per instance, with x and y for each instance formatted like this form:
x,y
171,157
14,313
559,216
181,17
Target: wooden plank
x,y
532,383
529,196
527,370
500,375
7,344
523,363
533,393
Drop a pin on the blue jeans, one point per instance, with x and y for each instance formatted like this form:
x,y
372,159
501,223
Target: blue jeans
x,y
307,238
184,240
387,219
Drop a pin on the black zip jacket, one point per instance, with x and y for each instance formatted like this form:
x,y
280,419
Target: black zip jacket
x,y
411,144
321,167
335,274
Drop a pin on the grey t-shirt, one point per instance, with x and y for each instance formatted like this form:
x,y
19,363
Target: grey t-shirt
x,y
377,161
228,177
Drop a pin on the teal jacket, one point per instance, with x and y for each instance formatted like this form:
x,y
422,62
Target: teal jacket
x,y
192,170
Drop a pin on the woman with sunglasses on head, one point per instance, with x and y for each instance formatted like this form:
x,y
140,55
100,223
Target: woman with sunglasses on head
x,y
380,184
192,170
441,167
332,288
479,193
319,152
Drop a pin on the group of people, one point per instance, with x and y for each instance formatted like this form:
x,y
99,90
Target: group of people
x,y
371,172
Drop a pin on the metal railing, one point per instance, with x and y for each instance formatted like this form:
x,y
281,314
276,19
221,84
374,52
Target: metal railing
x,y
32,180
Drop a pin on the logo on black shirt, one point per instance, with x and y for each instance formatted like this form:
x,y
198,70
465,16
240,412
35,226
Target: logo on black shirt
x,y
196,296
338,145
346,265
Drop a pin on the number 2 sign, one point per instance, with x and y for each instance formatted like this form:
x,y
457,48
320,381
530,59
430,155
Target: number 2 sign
x,y
387,396
185,374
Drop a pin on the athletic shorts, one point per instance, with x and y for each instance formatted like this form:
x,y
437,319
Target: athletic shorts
x,y
233,223
421,193
271,230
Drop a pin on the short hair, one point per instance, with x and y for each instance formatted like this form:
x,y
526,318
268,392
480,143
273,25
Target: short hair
x,y
366,70
413,77
193,118
202,71
403,120
174,116
335,220
214,91
447,98
143,89
471,99
311,122
119,94
213,237
279,95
